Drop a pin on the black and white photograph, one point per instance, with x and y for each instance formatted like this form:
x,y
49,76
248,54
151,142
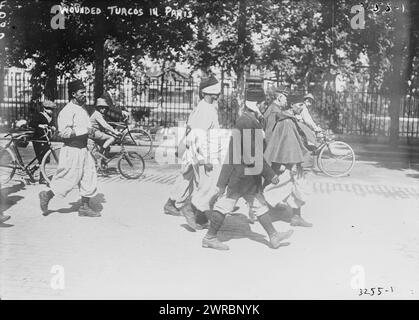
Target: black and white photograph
x,y
209,150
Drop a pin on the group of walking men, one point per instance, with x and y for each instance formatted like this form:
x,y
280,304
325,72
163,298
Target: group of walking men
x,y
209,185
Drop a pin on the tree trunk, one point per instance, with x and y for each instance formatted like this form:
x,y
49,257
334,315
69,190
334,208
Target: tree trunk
x,y
99,55
241,39
399,71
51,81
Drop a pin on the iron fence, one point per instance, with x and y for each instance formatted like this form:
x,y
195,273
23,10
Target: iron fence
x,y
160,103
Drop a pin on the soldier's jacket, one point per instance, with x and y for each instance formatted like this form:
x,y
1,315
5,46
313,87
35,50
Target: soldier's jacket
x,y
233,175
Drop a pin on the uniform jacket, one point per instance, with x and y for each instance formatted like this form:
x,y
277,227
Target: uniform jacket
x,y
233,175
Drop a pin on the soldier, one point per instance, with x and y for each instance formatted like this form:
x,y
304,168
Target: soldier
x,y
195,162
76,166
286,152
234,183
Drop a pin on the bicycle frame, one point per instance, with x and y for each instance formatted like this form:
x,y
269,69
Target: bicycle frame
x,y
28,168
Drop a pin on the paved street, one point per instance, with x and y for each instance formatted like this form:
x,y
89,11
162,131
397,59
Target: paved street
x,y
365,232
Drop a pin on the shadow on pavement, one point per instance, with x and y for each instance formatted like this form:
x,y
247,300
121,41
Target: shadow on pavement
x,y
237,226
95,203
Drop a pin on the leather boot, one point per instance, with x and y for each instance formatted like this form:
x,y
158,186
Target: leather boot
x,y
275,237
85,210
4,218
298,221
189,214
210,240
44,199
169,208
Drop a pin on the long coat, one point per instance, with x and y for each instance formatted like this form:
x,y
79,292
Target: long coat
x,y
288,142
233,175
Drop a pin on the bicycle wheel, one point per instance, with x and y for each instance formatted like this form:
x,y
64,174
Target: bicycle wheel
x,y
131,165
7,165
138,140
49,164
336,159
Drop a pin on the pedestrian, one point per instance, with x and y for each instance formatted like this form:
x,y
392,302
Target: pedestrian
x,y
285,152
279,103
234,183
76,166
39,143
197,161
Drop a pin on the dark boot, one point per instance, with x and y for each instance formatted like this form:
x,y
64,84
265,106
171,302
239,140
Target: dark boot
x,y
85,210
201,218
298,221
44,199
275,237
189,214
169,208
210,240
4,218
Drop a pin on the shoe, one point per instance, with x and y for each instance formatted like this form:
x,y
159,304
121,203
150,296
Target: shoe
x,y
189,215
44,199
86,211
214,243
276,238
169,208
297,221
4,218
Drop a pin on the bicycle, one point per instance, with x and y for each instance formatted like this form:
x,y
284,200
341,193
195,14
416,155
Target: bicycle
x,y
135,137
11,160
334,158
130,165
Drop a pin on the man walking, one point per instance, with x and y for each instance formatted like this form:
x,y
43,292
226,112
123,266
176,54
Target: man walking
x,y
195,161
242,185
76,166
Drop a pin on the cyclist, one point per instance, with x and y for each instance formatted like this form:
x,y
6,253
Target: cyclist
x,y
100,125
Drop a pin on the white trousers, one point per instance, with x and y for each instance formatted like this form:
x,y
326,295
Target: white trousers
x,y
76,168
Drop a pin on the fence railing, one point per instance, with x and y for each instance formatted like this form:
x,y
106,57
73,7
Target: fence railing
x,y
156,103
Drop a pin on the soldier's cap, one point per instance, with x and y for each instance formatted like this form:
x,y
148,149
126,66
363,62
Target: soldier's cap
x,y
257,95
48,104
210,86
75,85
282,89
309,96
100,102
